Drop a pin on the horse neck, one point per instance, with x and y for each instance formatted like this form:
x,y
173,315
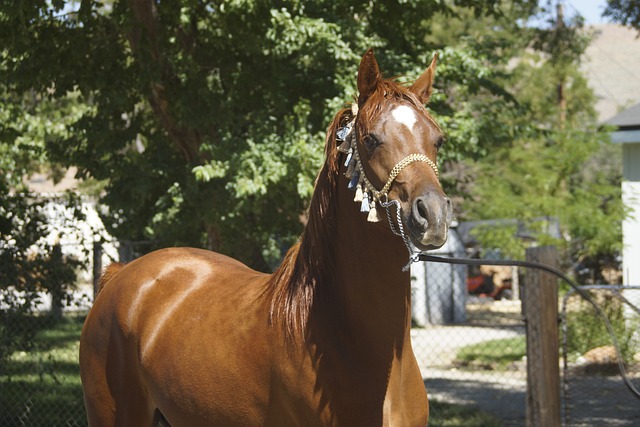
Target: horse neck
x,y
345,272
369,284
357,281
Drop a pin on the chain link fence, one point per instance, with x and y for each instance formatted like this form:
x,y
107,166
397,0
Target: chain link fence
x,y
40,329
468,337
593,389
46,292
46,288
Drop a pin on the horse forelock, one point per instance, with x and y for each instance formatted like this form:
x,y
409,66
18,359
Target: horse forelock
x,y
387,91
307,264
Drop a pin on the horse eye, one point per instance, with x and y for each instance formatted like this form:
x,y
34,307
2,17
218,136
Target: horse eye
x,y
371,142
439,142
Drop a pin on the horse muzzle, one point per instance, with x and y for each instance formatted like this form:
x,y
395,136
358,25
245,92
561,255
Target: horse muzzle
x,y
429,220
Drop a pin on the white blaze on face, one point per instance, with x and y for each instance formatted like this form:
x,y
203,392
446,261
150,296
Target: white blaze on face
x,y
404,115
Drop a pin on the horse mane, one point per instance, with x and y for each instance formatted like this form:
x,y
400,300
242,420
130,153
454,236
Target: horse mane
x,y
108,273
307,263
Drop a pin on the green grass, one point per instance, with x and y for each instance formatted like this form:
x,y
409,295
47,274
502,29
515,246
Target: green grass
x,y
41,386
492,355
586,330
442,414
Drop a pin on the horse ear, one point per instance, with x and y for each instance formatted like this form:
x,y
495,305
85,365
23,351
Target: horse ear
x,y
368,76
423,87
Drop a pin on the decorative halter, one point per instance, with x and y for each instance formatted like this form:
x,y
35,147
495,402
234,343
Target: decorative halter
x,y
366,192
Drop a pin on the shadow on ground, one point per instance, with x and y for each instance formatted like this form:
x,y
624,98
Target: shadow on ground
x,y
607,403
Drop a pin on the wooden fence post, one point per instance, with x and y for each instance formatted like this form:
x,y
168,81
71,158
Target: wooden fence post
x,y
97,267
540,308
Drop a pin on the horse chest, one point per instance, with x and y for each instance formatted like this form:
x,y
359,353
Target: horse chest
x,y
327,388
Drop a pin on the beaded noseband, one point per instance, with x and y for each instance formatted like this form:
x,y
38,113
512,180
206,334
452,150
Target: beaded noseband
x,y
365,191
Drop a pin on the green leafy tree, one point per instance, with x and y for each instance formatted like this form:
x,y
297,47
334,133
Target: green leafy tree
x,y
562,165
29,263
205,120
625,12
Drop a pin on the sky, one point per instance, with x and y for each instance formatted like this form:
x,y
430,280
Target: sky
x,y
591,10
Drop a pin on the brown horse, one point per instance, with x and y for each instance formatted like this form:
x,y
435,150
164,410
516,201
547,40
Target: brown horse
x,y
187,337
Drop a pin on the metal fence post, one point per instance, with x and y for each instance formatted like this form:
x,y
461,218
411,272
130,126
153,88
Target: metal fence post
x,y
540,307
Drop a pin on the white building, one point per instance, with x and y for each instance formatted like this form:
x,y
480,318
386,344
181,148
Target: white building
x,y
628,134
612,67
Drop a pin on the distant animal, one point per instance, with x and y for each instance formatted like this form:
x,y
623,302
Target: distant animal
x,y
188,337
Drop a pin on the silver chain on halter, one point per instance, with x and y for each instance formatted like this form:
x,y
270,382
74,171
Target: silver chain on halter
x,y
413,257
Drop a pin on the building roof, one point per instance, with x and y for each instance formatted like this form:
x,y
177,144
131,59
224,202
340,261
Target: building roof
x,y
628,119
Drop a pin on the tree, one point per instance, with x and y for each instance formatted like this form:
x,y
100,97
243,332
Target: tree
x,y
562,166
205,120
625,12
29,263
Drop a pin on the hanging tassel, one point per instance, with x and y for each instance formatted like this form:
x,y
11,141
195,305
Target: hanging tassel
x,y
349,155
354,179
351,170
373,213
358,196
365,203
343,132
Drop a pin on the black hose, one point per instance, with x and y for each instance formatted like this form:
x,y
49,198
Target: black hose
x,y
560,274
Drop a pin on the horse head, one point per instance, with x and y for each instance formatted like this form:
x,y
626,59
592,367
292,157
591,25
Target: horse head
x,y
394,145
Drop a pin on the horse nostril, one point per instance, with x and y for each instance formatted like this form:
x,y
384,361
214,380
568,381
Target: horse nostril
x,y
422,209
421,213
431,210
